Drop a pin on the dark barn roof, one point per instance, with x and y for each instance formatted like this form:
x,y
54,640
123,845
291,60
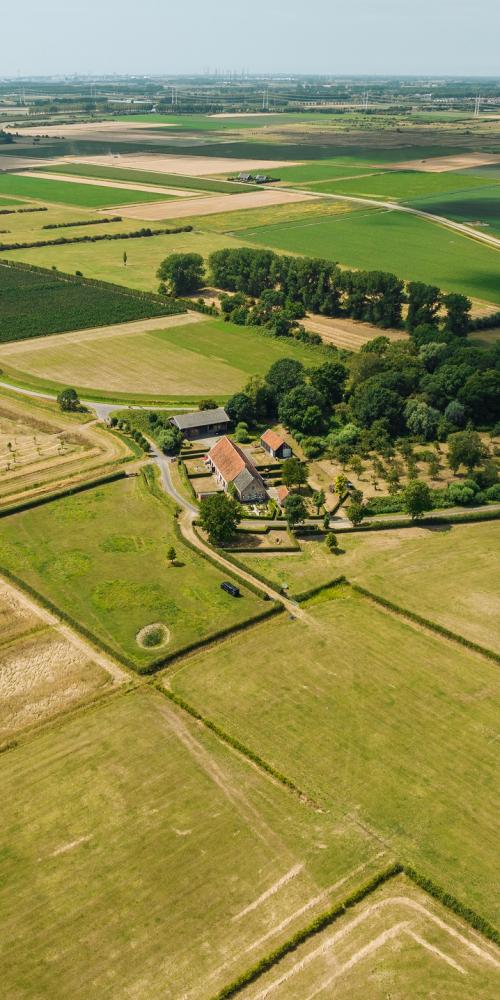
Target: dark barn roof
x,y
200,418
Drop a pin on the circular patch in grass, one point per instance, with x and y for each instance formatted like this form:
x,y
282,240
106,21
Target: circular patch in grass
x,y
153,636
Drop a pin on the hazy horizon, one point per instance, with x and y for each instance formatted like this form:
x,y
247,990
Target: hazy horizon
x,y
437,38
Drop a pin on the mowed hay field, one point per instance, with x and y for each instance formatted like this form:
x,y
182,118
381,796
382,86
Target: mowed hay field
x,y
66,193
42,671
42,449
397,943
185,862
410,247
375,718
188,356
101,557
104,260
448,575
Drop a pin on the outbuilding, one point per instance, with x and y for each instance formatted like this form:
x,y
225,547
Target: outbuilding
x,y
202,423
275,444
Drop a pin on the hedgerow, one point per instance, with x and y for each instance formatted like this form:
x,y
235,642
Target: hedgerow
x,y
21,211
315,927
135,234
83,222
69,491
420,620
232,741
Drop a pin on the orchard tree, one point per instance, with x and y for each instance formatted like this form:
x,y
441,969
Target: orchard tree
x,y
355,512
295,510
318,499
219,516
293,472
340,485
416,499
465,448
331,542
171,555
182,273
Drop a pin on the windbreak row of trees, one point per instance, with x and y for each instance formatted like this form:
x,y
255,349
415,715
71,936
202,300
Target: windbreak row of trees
x,y
320,286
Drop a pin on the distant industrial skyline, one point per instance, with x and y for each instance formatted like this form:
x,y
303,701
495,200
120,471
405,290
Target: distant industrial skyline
x,y
373,37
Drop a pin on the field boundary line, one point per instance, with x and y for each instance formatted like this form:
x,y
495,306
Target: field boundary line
x,y
235,744
331,915
434,627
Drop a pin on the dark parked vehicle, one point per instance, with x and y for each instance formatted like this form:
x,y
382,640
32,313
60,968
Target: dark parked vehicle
x,y
230,589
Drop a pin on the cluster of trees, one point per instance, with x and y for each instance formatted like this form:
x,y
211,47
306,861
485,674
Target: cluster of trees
x,y
167,437
320,286
69,401
271,311
181,274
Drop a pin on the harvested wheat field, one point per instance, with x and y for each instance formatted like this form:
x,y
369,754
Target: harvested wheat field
x,y
194,166
42,450
209,205
44,667
440,164
348,333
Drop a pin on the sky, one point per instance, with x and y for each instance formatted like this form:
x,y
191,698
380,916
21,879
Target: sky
x,y
384,37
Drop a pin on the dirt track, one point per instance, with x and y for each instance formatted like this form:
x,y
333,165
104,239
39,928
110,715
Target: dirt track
x,y
213,204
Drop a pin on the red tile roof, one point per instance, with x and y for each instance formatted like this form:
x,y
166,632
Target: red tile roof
x,y
230,460
282,493
273,439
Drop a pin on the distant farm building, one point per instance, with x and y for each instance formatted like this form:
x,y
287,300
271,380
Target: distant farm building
x,y
202,423
275,444
230,465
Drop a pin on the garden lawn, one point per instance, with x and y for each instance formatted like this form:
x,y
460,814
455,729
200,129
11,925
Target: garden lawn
x,y
410,247
101,557
373,717
184,360
448,575
141,840
68,193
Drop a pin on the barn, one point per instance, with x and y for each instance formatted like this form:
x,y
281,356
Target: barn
x,y
202,423
275,444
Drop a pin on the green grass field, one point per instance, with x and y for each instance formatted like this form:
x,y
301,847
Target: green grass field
x,y
378,239
183,360
101,556
473,207
446,575
401,185
104,260
398,943
147,841
376,718
68,193
145,177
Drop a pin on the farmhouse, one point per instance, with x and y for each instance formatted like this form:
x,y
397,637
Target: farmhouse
x,y
202,423
230,465
275,444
